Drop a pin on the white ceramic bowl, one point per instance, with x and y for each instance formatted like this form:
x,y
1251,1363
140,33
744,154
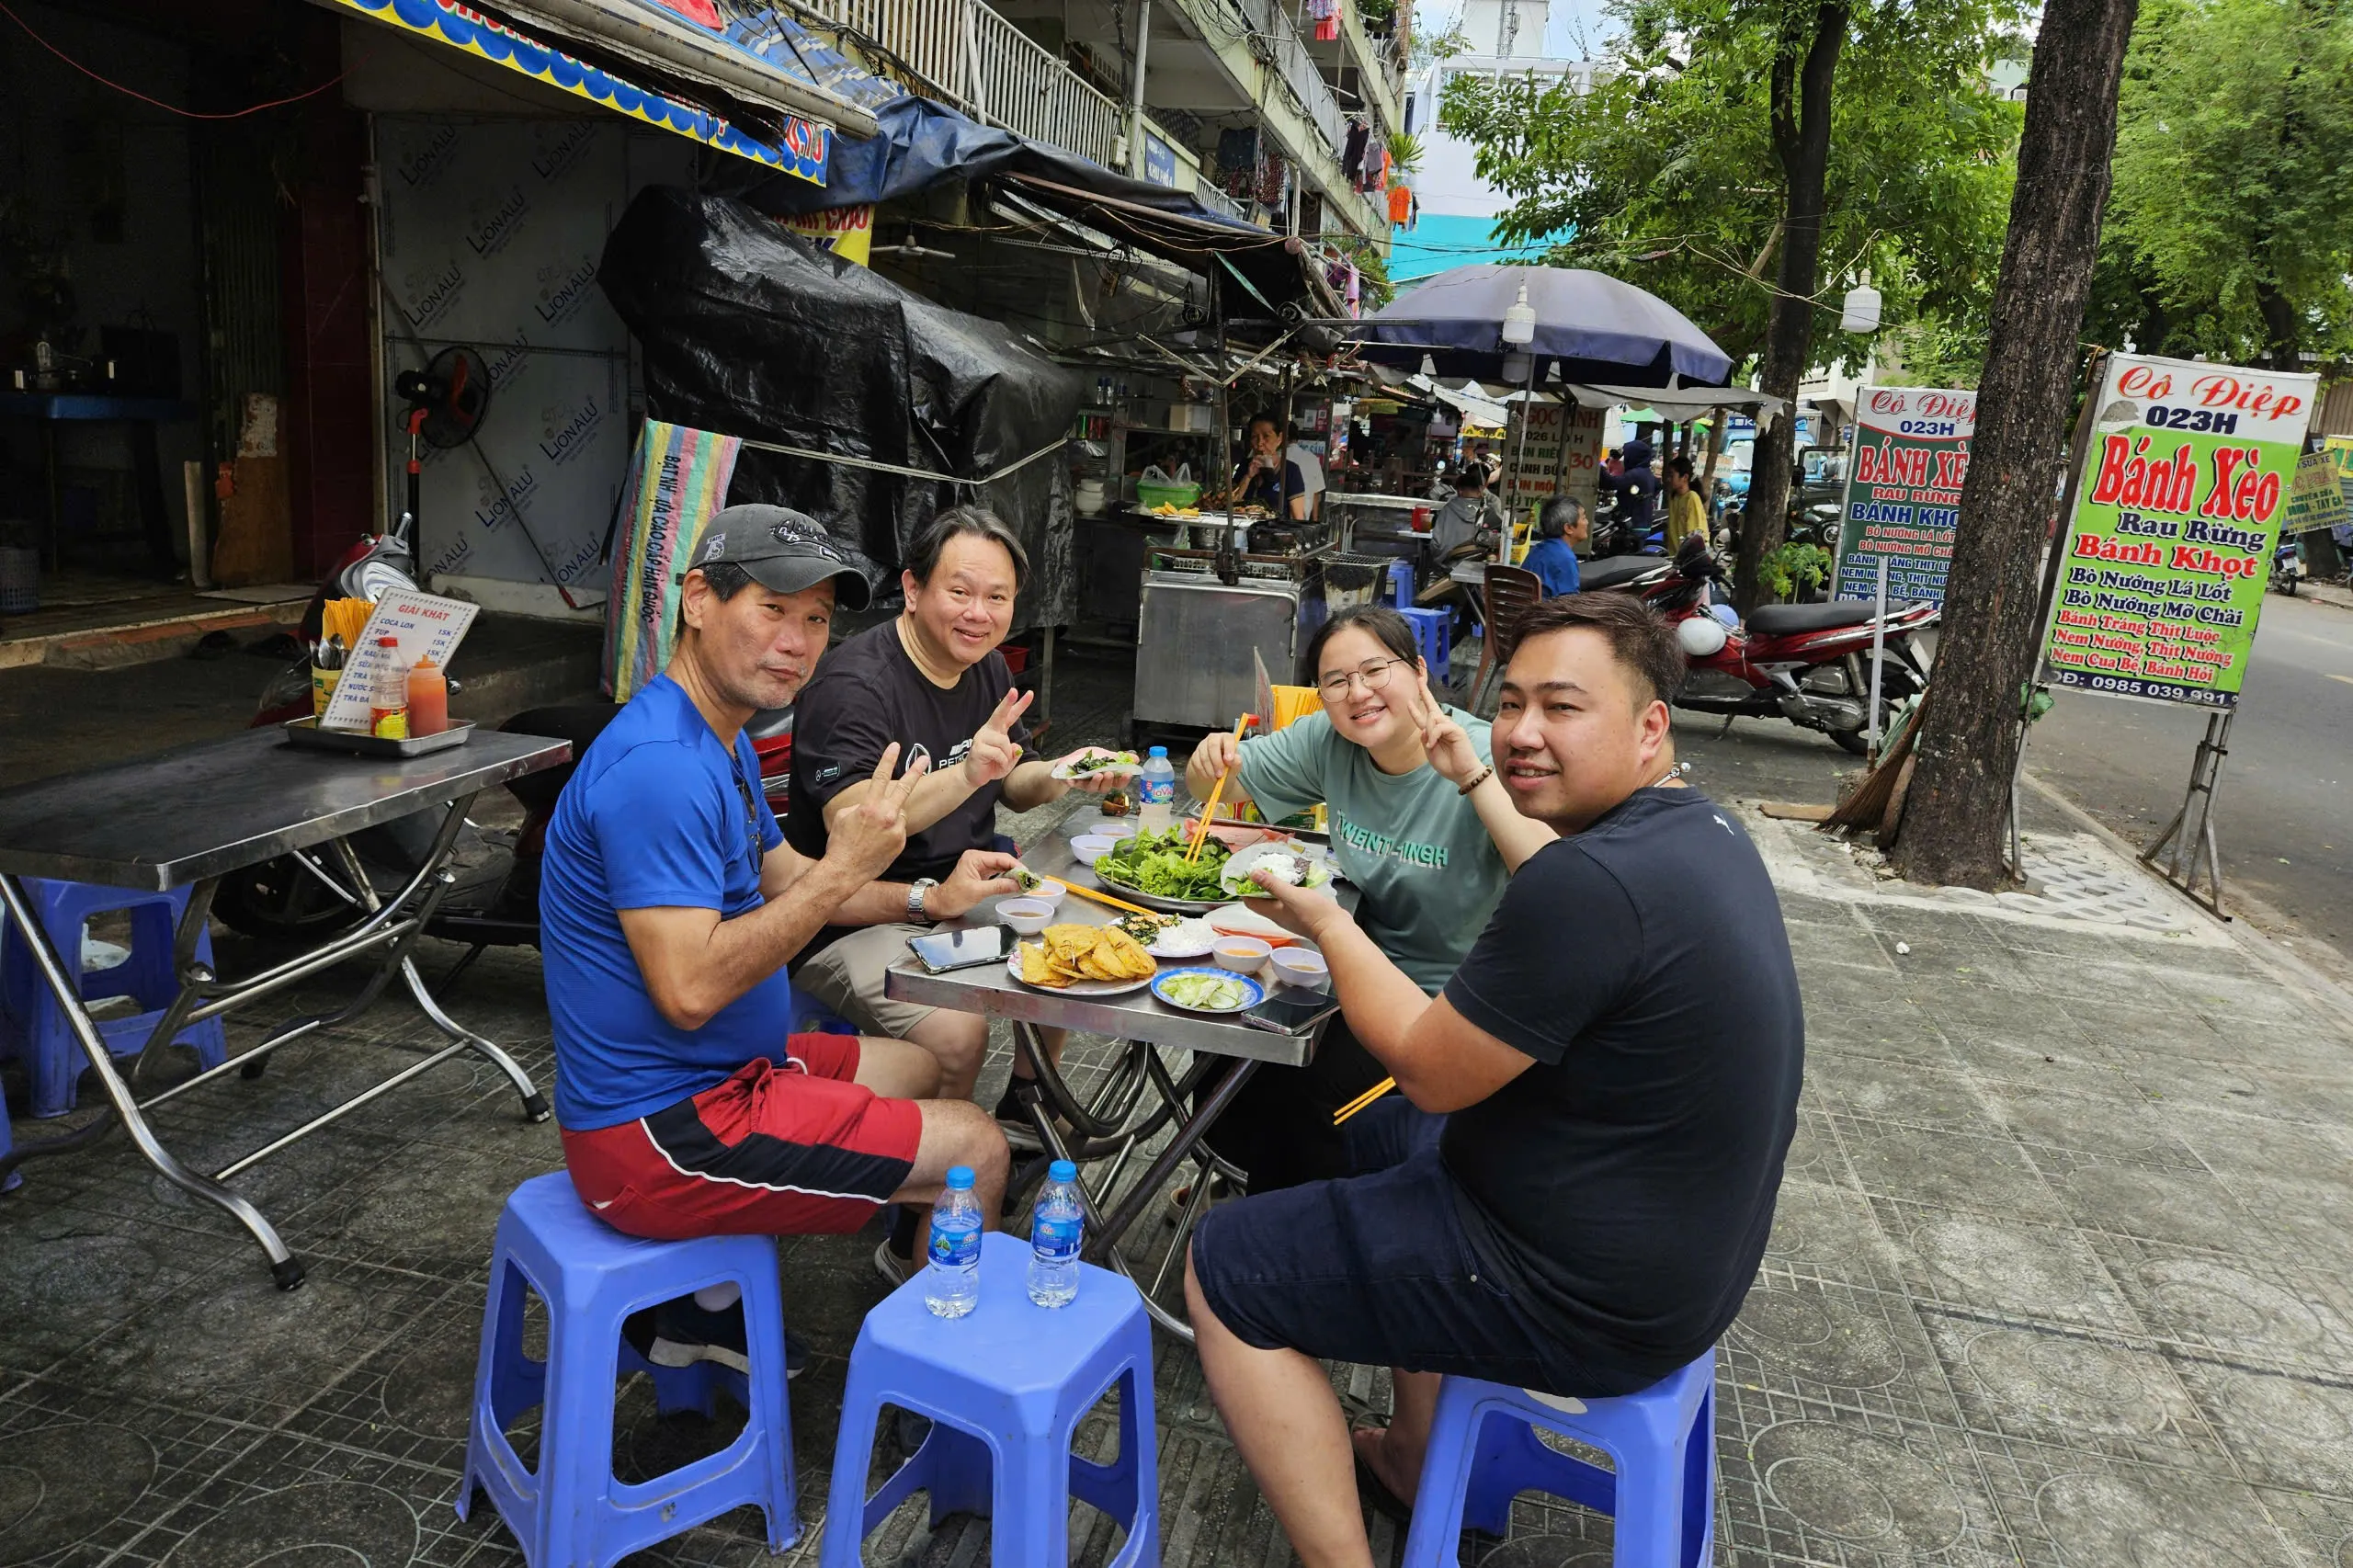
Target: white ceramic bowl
x,y
1027,915
1244,955
1108,827
1048,892
1090,847
1300,967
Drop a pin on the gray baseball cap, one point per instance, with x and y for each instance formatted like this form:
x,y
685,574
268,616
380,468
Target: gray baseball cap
x,y
783,550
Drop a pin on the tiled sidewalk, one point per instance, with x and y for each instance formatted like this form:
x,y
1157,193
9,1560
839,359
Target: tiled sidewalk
x,y
2060,1277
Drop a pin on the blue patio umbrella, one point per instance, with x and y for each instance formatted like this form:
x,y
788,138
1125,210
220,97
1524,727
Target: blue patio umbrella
x,y
1601,329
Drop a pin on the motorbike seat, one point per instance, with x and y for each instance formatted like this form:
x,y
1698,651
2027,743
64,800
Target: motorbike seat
x,y
1614,571
1774,621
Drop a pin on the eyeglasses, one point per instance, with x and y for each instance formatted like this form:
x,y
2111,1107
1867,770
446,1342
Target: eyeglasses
x,y
1375,676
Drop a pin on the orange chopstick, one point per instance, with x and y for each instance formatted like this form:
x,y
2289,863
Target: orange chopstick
x,y
1210,810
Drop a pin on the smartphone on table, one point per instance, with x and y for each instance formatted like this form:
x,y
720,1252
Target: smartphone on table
x,y
1288,1010
940,952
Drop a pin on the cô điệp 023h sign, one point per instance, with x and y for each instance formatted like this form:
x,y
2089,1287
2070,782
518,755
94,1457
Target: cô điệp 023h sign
x,y
2165,562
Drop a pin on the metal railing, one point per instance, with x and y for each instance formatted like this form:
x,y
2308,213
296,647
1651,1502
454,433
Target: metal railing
x,y
1018,85
971,55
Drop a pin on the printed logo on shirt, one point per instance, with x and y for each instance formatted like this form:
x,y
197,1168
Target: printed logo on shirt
x,y
825,774
1408,850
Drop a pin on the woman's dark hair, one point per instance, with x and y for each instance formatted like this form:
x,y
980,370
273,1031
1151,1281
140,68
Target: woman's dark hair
x,y
1640,638
1560,514
1388,629
977,522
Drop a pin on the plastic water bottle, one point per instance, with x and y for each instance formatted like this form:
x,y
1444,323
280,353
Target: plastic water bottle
x,y
1056,1225
1157,792
952,1279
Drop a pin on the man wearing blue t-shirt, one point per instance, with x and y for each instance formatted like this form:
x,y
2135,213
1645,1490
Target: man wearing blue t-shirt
x,y
669,904
1559,529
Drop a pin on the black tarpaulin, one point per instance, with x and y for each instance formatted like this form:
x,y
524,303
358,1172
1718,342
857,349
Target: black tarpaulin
x,y
747,330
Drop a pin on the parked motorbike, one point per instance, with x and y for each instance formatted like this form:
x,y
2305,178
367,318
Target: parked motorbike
x,y
1809,664
2287,566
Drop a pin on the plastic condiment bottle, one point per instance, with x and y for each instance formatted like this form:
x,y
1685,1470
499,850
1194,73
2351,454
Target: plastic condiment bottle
x,y
388,703
428,699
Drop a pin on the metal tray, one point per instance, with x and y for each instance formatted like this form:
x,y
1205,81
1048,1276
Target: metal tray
x,y
306,734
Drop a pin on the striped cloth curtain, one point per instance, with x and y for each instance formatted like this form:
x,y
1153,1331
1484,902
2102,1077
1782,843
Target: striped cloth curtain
x,y
677,481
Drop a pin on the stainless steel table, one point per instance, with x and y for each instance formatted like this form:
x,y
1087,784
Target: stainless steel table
x,y
1113,1125
189,817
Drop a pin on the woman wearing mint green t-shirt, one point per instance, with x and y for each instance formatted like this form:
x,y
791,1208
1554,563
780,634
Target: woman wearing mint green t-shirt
x,y
1420,824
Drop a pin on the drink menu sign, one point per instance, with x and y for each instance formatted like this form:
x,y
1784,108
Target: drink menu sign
x,y
2165,562
1902,500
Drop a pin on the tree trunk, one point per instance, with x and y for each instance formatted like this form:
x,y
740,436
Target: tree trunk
x,y
2282,332
1804,62
1969,731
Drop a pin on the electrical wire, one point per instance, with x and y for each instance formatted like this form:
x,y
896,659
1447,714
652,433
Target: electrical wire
x,y
169,109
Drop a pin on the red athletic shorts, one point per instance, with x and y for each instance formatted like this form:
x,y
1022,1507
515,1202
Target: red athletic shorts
x,y
796,1150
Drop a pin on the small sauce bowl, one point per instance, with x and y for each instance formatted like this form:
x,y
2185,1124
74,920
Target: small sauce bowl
x,y
1244,955
1027,915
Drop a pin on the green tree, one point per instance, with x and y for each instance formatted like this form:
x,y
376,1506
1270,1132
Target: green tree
x,y
1744,159
2228,233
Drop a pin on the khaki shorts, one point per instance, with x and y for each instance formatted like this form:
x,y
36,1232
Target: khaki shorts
x,y
847,978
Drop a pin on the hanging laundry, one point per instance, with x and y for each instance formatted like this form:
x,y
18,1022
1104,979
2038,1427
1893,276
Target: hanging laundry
x,y
1401,204
1327,28
1274,181
1356,287
1238,149
1352,153
1381,180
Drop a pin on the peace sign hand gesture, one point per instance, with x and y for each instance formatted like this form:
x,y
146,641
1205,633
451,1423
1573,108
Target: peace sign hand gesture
x,y
1449,749
867,837
994,752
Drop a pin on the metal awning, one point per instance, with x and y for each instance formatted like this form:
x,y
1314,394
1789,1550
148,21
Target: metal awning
x,y
644,62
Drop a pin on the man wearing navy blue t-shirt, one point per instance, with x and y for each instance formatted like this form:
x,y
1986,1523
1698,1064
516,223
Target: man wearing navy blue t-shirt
x,y
669,904
1572,1189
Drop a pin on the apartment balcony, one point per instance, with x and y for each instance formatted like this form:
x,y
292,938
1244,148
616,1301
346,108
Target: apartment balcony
x,y
972,56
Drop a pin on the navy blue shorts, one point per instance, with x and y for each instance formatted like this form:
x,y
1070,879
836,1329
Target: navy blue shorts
x,y
1380,1268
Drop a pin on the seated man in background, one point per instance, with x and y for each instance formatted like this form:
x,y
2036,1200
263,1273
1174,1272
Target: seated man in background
x,y
1572,1190
1560,529
932,677
1467,525
669,904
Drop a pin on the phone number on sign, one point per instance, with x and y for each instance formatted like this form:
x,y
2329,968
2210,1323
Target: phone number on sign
x,y
2167,691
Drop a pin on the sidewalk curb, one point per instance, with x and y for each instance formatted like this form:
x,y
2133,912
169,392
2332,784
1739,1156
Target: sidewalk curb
x,y
2258,944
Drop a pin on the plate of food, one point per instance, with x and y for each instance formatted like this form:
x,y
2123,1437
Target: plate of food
x,y
1205,990
1179,937
1083,960
1151,868
1097,762
1293,862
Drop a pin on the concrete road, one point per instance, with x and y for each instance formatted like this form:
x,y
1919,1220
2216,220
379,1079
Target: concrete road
x,y
2284,813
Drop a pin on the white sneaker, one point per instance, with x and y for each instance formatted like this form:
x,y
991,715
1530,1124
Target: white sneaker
x,y
895,1269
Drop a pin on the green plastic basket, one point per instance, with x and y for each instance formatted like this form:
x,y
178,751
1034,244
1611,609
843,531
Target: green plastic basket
x,y
1150,494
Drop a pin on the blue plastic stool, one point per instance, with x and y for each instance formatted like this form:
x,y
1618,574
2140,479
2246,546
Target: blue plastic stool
x,y
38,1031
1432,632
1401,584
1005,1387
572,1513
1484,1451
14,1179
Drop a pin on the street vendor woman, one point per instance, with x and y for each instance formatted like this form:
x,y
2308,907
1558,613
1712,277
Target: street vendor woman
x,y
1267,478
669,904
1420,824
930,678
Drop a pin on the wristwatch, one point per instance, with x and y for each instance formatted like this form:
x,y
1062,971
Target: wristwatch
x,y
915,890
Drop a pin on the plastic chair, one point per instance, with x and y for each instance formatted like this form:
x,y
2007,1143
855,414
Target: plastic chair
x,y
38,1033
1433,629
1401,584
1483,1452
1005,1387
1510,593
570,1512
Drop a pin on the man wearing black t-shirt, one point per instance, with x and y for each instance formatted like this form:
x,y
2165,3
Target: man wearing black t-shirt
x,y
931,679
1574,1188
